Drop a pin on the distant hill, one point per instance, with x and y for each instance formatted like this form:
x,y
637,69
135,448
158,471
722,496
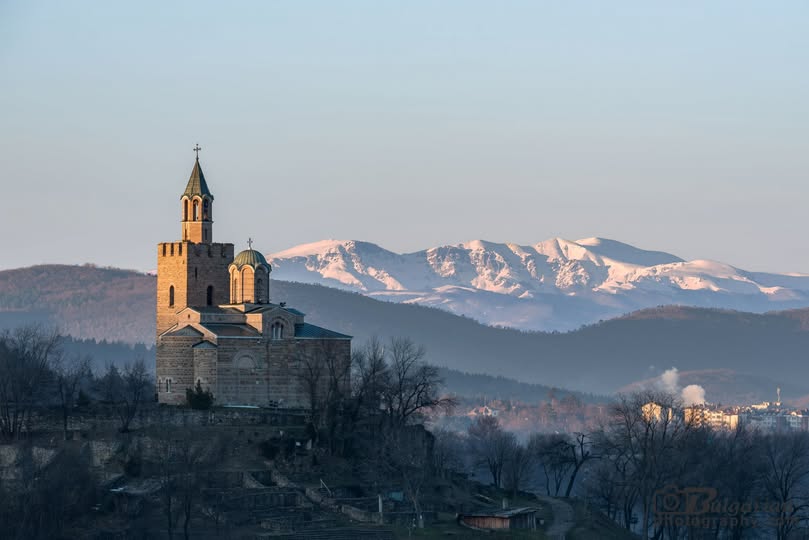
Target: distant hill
x,y
83,301
601,358
488,387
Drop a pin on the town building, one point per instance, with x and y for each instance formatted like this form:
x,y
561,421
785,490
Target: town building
x,y
217,326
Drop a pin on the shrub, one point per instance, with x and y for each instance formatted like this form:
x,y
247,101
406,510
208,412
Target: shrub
x,y
198,398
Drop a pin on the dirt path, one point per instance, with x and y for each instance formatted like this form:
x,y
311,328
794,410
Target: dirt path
x,y
563,517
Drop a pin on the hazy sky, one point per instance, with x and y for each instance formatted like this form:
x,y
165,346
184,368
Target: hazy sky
x,y
678,126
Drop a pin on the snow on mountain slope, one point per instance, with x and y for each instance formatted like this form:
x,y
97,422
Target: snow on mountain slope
x,y
553,285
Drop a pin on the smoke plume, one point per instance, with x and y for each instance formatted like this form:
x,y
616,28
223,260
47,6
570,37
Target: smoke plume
x,y
669,382
693,394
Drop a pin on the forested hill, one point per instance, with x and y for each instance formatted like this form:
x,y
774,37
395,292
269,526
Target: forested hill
x,y
82,301
119,305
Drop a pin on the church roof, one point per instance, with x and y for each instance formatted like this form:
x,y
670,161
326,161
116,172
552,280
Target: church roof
x,y
232,330
250,257
196,184
311,331
269,307
189,331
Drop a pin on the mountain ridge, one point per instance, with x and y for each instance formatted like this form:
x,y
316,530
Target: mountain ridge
x,y
555,284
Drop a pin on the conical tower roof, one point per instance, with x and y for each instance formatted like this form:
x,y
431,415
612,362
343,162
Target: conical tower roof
x,y
196,184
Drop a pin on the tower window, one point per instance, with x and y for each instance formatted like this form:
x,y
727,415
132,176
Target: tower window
x,y
259,290
195,272
210,295
185,210
196,210
168,386
205,210
277,331
171,296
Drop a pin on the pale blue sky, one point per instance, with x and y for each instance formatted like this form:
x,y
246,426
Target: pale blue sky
x,y
678,126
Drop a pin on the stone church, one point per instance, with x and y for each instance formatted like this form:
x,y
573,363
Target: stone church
x,y
217,325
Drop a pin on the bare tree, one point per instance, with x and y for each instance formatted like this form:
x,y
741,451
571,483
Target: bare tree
x,y
69,373
50,496
448,451
127,390
336,390
310,377
550,451
786,480
490,446
648,434
369,379
26,355
183,462
324,375
519,462
413,386
579,451
403,454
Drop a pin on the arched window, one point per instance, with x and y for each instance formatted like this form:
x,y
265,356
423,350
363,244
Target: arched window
x,y
196,210
209,298
168,386
185,210
205,210
235,295
259,290
277,330
171,296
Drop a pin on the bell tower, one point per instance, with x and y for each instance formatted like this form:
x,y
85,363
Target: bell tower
x,y
197,207
194,271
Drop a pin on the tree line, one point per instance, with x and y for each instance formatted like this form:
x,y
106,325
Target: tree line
x,y
35,372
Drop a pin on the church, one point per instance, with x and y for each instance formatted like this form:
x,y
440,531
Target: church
x,y
217,326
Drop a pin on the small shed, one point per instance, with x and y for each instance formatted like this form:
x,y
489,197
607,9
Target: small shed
x,y
513,518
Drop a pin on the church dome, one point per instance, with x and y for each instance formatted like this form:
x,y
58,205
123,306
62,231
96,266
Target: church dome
x,y
250,257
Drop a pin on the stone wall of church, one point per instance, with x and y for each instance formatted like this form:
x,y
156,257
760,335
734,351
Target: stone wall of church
x,y
241,372
175,368
205,367
268,372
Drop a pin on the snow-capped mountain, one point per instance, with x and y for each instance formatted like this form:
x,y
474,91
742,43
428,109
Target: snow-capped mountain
x,y
553,285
